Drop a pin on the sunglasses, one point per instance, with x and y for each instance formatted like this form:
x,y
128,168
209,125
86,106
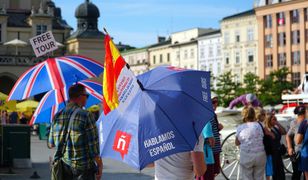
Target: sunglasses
x,y
87,95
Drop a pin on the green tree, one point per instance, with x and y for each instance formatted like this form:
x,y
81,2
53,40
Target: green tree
x,y
226,88
273,86
251,82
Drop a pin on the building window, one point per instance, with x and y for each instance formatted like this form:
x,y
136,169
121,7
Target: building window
x,y
237,36
306,57
210,51
250,34
250,56
227,58
218,50
160,58
0,32
296,78
282,39
269,41
295,16
268,21
178,55
282,59
226,38
296,58
154,59
281,19
295,37
237,58
269,60
268,2
192,53
202,53
185,54
168,57
218,68
306,14
40,29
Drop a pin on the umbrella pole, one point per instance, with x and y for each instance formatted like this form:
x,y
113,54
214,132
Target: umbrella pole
x,y
16,50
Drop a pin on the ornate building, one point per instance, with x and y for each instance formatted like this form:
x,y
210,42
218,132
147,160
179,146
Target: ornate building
x,y
23,19
240,44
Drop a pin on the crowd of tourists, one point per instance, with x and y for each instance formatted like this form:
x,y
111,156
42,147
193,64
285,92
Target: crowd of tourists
x,y
13,117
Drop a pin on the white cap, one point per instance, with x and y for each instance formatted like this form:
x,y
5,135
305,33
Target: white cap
x,y
250,97
213,95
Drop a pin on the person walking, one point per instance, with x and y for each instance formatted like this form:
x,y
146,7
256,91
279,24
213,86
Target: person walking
x,y
81,158
249,136
209,142
277,148
302,138
268,135
216,127
293,148
182,166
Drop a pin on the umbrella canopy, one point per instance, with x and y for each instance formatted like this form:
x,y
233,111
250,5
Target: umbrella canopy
x,y
4,105
59,44
55,73
17,43
26,105
165,117
48,106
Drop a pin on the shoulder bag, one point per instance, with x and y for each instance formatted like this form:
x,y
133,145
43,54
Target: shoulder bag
x,y
57,164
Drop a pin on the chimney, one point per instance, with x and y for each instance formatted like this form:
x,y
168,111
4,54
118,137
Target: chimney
x,y
161,39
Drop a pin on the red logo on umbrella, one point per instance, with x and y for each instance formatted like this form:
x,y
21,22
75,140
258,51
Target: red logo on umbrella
x,y
121,143
176,68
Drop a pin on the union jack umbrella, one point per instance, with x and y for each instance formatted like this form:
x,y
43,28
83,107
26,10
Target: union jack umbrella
x,y
49,105
55,73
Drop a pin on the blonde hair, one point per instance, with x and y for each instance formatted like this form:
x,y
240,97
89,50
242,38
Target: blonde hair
x,y
259,112
249,114
267,121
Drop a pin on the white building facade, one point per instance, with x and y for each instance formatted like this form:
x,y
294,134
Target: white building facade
x,y
240,44
210,53
160,54
138,60
184,46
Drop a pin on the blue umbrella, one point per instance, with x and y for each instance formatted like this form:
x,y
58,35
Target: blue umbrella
x,y
48,105
166,116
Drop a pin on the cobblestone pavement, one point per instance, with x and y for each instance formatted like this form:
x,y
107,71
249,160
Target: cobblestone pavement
x,y
113,170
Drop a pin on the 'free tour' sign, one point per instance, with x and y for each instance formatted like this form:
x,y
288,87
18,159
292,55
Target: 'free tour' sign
x,y
43,43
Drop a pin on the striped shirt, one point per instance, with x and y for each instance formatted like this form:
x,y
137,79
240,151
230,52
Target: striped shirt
x,y
217,147
82,145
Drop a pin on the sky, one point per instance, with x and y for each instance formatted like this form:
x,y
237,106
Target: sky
x,y
139,22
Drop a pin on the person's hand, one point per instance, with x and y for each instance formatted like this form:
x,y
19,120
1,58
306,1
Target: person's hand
x,y
99,164
99,172
211,141
220,127
290,151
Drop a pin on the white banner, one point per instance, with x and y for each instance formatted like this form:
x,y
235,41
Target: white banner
x,y
43,43
127,88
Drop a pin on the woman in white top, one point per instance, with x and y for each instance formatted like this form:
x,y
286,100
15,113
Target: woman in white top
x,y
249,136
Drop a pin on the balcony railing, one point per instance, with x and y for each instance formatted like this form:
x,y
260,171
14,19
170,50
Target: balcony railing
x,y
11,60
